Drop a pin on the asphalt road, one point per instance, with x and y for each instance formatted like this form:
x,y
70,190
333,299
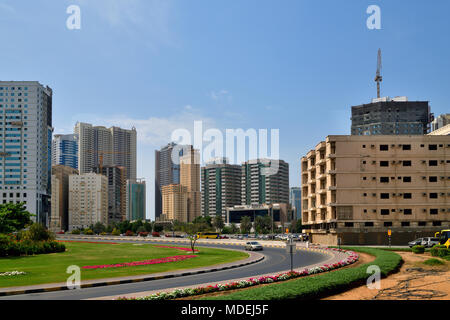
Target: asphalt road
x,y
276,260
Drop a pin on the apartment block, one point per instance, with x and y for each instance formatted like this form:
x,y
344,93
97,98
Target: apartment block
x,y
356,188
25,146
396,116
88,200
262,185
281,213
59,218
98,145
190,178
221,187
65,150
175,203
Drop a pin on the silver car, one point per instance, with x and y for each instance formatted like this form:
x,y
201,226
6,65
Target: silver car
x,y
430,242
253,245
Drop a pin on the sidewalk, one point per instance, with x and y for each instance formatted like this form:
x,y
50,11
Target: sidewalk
x,y
253,258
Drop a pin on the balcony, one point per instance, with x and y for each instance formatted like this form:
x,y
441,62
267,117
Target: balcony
x,y
332,171
332,188
331,156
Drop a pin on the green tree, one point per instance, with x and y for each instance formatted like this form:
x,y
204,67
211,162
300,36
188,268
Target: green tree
x,y
298,226
98,228
218,222
226,230
124,226
234,228
259,224
37,232
14,217
135,225
148,226
246,224
115,232
158,228
191,230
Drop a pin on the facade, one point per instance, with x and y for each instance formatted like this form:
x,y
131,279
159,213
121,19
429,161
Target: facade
x,y
88,200
175,203
444,131
282,213
25,146
136,195
260,188
295,199
440,122
59,218
117,191
99,145
65,150
397,116
356,188
190,178
167,170
221,187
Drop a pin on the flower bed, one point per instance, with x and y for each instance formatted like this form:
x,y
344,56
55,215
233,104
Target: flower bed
x,y
141,263
179,293
10,246
12,274
178,248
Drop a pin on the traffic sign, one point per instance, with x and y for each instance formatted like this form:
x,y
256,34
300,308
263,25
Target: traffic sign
x,y
389,232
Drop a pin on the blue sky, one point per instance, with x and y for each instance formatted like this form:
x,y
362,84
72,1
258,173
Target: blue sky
x,y
293,65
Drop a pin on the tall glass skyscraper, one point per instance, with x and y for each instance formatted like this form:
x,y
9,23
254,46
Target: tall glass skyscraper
x,y
65,150
136,200
295,199
25,150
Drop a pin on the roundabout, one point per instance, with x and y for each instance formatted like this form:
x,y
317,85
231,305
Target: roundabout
x,y
273,260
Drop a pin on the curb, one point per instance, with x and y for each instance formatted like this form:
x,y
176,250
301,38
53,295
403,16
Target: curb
x,y
116,282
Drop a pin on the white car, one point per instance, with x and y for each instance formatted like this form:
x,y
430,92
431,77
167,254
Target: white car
x,y
430,242
253,245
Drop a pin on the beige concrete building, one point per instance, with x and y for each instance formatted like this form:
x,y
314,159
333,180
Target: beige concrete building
x,y
443,131
356,188
88,200
190,178
59,217
174,203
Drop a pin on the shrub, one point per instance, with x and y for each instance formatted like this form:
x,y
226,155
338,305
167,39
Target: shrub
x,y
442,252
434,262
37,232
76,231
155,234
115,232
88,232
129,233
435,249
418,249
143,234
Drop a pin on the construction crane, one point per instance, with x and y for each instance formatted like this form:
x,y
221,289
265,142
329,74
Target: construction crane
x,y
378,77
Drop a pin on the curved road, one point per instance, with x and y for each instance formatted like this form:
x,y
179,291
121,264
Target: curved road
x,y
276,260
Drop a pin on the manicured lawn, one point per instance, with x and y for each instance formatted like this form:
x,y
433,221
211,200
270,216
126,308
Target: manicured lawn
x,y
51,268
321,285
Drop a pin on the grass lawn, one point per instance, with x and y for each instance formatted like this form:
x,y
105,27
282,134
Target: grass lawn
x,y
51,268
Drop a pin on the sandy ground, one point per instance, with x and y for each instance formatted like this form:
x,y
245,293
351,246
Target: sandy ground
x,y
414,281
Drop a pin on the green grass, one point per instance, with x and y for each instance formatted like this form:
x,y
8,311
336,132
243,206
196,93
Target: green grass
x,y
434,262
51,268
321,285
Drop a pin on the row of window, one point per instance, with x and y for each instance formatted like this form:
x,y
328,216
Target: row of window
x,y
407,179
408,163
432,195
406,147
13,88
390,224
386,212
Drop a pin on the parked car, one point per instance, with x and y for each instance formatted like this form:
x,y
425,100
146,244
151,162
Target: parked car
x,y
253,245
430,242
417,242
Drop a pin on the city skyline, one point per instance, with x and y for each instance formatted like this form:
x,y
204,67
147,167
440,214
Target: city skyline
x,y
168,80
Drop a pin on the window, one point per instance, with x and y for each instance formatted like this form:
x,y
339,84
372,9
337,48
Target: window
x,y
368,224
432,179
349,224
406,147
407,212
436,223
384,163
422,223
405,224
384,196
384,212
384,179
432,147
384,147
432,163
406,179
434,211
388,224
407,163
433,195
407,196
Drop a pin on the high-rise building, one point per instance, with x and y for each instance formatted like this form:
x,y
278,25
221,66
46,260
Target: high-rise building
x,y
106,146
117,191
396,116
221,187
356,188
65,150
295,199
136,200
167,170
174,203
25,146
440,122
260,188
88,200
190,178
59,218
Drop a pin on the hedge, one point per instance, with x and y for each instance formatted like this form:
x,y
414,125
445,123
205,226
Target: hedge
x,y
418,249
9,247
320,286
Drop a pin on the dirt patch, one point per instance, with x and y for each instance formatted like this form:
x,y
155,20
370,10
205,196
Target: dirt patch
x,y
414,281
